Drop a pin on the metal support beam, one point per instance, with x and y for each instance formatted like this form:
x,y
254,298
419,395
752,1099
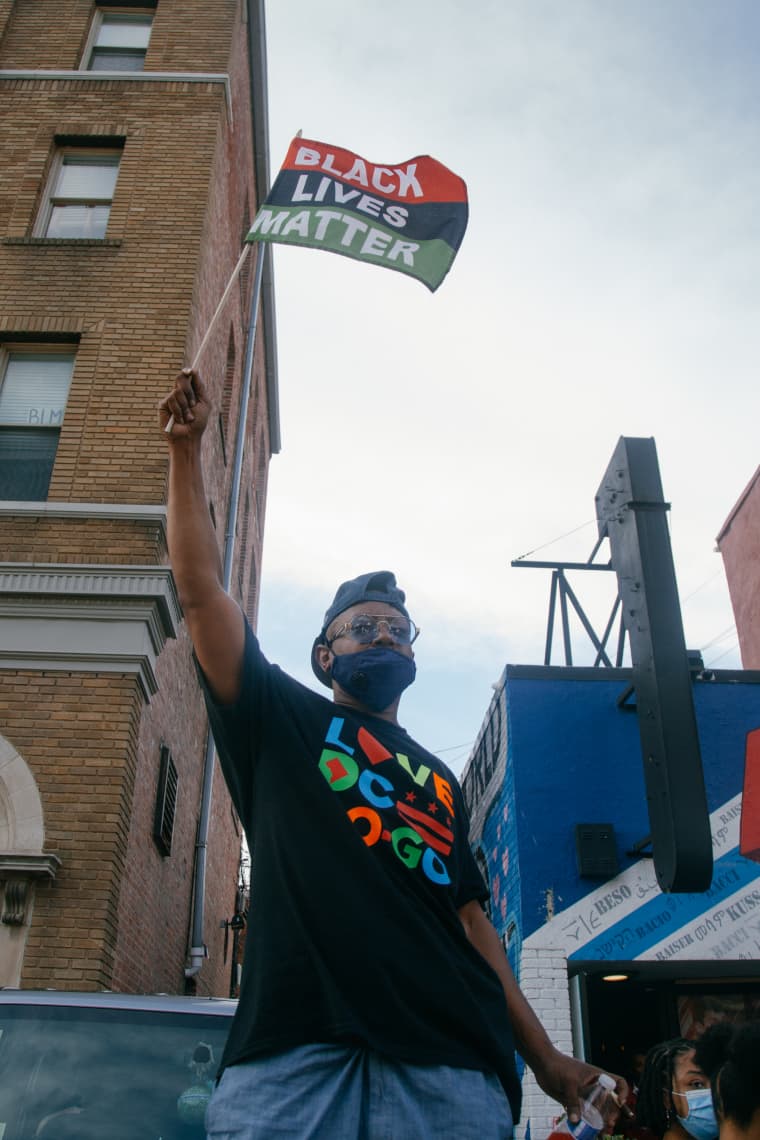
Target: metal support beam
x,y
562,588
632,515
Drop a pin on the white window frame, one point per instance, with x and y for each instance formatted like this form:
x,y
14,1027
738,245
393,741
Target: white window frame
x,y
30,348
50,199
97,23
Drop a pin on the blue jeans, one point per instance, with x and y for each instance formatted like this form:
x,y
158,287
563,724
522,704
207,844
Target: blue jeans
x,y
334,1092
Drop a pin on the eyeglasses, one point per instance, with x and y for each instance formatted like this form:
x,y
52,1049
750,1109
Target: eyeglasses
x,y
364,628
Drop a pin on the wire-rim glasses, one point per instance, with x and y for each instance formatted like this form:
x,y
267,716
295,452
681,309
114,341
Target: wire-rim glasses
x,y
365,628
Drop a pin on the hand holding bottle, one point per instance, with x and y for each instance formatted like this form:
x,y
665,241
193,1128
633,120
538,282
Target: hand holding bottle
x,y
599,1108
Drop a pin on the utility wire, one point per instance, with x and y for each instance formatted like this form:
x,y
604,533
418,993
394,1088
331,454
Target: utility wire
x,y
706,582
559,537
727,632
730,649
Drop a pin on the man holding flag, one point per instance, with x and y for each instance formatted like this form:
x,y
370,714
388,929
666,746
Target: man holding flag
x,y
376,999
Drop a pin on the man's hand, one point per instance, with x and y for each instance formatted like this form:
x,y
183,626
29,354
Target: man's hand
x,y
186,406
569,1081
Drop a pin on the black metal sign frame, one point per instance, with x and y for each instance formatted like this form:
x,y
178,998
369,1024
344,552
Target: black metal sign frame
x,y
632,514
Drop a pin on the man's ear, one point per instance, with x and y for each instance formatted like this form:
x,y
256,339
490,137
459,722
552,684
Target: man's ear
x,y
324,657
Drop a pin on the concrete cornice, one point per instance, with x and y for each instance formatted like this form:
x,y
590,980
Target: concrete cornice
x,y
28,865
87,618
66,582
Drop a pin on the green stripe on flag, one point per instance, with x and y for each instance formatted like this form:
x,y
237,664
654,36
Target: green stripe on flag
x,y
343,232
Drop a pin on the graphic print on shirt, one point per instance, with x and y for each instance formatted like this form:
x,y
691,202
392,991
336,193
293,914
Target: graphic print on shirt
x,y
416,821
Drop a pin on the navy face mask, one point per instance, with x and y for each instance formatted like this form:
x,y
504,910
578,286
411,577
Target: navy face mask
x,y
376,677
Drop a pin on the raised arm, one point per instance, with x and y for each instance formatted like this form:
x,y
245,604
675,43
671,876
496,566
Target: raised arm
x,y
214,620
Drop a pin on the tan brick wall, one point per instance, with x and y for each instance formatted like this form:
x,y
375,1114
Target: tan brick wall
x,y
44,34
137,306
92,541
78,734
131,302
187,35
6,7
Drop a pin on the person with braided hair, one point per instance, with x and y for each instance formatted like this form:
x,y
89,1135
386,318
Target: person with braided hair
x,y
674,1100
730,1055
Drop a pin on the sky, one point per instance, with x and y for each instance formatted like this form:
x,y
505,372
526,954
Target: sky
x,y
607,285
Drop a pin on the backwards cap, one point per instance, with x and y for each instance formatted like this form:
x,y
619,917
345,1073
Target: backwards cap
x,y
379,586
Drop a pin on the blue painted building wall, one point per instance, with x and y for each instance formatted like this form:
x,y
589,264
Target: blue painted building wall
x,y
569,754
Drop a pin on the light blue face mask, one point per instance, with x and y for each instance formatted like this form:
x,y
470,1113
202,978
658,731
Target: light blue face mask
x,y
700,1121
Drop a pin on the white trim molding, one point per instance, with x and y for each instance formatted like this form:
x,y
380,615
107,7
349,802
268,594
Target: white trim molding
x,y
87,618
116,512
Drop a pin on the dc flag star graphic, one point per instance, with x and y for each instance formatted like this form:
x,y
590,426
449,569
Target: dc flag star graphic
x,y
409,216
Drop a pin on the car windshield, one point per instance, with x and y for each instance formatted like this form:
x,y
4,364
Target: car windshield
x,y
78,1073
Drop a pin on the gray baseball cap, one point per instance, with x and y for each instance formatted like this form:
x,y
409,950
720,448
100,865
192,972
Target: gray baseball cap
x,y
378,586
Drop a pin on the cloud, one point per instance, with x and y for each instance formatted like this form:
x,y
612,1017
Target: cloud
x,y
607,285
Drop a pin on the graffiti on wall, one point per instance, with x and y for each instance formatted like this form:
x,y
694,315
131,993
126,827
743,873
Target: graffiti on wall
x,y
629,918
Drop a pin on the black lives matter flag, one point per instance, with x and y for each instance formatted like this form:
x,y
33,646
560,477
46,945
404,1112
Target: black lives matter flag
x,y
409,216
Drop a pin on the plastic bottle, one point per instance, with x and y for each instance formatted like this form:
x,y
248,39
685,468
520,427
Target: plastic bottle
x,y
594,1108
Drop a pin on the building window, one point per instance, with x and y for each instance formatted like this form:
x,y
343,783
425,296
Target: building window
x,y
34,386
118,41
166,803
79,195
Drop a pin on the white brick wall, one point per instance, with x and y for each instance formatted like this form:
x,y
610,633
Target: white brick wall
x,y
543,980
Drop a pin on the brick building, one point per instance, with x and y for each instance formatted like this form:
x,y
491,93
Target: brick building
x,y
739,544
134,144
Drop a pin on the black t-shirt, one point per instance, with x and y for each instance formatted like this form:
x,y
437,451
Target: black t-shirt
x,y
359,862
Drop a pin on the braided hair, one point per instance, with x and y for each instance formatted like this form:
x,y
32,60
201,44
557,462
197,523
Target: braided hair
x,y
656,1079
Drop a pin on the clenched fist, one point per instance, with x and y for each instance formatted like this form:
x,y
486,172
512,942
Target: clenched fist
x,y
184,412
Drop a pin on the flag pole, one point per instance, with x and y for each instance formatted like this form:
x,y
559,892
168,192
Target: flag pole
x,y
212,322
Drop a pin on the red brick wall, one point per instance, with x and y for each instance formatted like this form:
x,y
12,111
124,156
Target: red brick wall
x,y
739,543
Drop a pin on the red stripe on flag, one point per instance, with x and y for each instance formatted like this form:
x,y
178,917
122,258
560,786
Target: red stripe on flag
x,y
416,180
